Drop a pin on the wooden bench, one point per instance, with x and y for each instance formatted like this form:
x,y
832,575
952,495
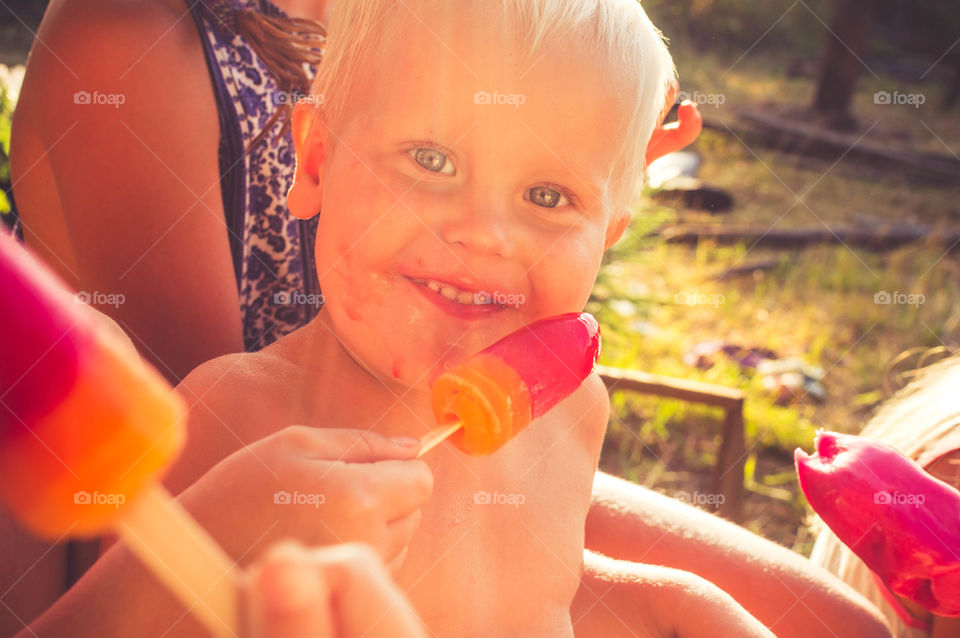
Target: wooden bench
x,y
728,472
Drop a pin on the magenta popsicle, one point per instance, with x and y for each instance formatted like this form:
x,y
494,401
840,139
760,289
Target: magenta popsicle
x,y
493,395
901,521
80,413
36,360
552,356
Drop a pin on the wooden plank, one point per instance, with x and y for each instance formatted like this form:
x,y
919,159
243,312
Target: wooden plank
x,y
877,239
672,387
807,138
728,472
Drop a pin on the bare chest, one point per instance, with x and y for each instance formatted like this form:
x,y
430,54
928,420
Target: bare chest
x,y
501,541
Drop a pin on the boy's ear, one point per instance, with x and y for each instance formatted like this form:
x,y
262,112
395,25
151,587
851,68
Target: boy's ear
x,y
617,225
309,144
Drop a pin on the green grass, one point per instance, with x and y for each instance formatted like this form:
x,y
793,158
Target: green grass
x,y
817,304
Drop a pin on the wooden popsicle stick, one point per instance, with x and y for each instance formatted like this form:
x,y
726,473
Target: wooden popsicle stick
x,y
184,557
437,437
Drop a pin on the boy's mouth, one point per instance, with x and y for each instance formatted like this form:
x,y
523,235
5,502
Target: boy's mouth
x,y
465,297
463,303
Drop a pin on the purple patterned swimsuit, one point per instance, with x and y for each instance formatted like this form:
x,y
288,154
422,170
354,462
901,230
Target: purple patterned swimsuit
x,y
272,250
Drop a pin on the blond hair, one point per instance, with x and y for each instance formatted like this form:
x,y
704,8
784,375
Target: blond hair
x,y
922,413
625,40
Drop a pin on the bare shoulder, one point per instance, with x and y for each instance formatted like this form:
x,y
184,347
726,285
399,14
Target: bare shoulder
x,y
147,49
116,21
589,406
232,401
582,420
232,388
125,28
112,86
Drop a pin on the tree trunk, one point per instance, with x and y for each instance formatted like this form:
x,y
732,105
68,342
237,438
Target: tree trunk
x,y
840,64
952,95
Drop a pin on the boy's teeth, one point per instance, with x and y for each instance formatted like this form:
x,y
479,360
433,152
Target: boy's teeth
x,y
450,292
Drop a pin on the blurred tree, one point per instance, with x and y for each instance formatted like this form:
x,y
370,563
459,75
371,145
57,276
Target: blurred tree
x,y
952,95
736,28
840,63
930,29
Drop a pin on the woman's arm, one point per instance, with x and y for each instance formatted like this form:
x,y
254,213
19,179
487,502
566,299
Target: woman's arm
x,y
782,589
114,157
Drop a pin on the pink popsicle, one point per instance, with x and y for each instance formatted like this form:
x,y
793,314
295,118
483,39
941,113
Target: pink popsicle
x,y
552,356
901,521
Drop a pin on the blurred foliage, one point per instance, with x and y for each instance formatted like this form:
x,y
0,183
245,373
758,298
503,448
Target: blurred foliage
x,y
798,29
7,105
21,12
815,303
735,26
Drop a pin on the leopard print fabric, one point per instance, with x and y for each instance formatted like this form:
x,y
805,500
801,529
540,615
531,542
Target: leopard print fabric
x,y
272,250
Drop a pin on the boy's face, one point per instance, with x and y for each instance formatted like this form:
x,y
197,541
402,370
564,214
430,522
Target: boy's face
x,y
460,171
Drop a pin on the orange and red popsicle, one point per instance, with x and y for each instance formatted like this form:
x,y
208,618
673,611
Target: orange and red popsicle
x,y
83,424
85,429
493,395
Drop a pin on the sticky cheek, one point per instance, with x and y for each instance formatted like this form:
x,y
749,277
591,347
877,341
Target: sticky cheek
x,y
360,295
359,289
351,299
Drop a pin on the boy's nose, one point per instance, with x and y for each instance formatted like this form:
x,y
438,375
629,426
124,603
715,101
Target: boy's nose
x,y
480,231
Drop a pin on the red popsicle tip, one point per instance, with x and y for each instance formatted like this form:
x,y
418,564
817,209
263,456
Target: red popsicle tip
x,y
827,446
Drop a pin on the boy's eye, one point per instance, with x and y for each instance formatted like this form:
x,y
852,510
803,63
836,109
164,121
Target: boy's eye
x,y
547,197
433,160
